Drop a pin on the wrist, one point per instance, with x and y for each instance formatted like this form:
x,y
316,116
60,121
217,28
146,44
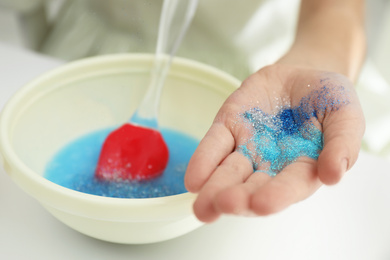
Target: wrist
x,y
330,39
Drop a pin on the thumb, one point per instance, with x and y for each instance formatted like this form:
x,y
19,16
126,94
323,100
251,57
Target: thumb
x,y
343,133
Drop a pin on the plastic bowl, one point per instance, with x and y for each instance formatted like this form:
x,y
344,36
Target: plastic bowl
x,y
97,93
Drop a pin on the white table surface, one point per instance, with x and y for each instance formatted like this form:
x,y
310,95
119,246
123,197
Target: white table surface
x,y
348,221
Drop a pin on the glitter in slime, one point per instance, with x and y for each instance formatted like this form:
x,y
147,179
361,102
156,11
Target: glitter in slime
x,y
74,166
280,138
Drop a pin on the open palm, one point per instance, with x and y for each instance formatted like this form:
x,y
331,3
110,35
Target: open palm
x,y
232,170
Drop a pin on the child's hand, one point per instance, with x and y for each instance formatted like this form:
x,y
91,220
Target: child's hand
x,y
230,169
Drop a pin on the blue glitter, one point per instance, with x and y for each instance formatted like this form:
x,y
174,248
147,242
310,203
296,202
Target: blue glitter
x,y
289,126
74,166
280,138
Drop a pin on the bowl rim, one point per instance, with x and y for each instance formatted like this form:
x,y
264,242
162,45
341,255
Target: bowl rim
x,y
15,167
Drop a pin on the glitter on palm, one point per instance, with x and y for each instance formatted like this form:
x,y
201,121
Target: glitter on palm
x,y
280,138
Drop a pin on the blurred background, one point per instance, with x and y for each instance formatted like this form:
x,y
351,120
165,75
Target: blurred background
x,y
238,37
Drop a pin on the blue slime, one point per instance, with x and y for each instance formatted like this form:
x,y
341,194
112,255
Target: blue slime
x,y
74,167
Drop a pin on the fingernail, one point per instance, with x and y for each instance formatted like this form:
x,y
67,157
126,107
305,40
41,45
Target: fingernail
x,y
344,165
245,213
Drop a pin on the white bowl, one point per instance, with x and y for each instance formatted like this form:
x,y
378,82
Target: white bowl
x,y
97,93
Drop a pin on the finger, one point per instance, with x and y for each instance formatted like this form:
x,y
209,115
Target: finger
x,y
296,182
213,148
342,138
236,199
234,170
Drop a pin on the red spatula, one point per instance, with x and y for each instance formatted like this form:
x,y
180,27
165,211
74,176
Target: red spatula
x,y
137,150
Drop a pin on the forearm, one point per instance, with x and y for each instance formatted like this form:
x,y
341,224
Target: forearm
x,y
330,36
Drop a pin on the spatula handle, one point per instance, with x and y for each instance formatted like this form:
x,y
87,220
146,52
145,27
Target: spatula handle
x,y
176,16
